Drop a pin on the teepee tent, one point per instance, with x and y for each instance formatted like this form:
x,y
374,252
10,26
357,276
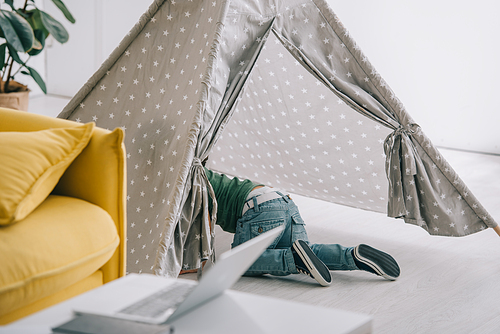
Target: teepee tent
x,y
275,91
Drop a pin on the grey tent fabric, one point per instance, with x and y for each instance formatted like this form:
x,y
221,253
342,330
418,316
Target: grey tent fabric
x,y
274,91
156,86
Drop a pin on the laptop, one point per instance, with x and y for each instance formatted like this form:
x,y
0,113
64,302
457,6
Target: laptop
x,y
178,297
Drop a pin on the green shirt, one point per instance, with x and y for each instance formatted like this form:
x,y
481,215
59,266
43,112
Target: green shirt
x,y
231,195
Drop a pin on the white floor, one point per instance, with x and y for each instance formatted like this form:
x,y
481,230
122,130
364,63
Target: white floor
x,y
47,104
448,285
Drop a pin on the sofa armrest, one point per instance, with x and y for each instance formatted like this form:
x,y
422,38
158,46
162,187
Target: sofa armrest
x,y
98,175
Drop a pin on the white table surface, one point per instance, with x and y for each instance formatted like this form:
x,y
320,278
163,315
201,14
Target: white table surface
x,y
232,312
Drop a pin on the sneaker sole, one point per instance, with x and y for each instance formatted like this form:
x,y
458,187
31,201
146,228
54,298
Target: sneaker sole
x,y
313,263
382,263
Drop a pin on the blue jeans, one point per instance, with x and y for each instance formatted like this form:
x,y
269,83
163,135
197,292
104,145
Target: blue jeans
x,y
277,259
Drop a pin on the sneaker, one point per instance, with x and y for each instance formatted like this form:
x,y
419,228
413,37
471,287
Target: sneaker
x,y
377,262
308,263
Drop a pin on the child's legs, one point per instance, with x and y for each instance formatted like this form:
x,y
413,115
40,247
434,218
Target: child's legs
x,y
277,259
335,256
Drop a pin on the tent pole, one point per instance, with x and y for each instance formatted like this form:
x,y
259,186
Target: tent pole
x,y
497,229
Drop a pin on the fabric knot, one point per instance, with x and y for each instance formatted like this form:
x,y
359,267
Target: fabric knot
x,y
399,146
400,164
197,162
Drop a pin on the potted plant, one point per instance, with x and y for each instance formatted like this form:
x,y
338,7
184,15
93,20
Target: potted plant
x,y
24,31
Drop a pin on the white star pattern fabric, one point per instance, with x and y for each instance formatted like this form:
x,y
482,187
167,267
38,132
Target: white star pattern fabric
x,y
152,91
286,133
277,92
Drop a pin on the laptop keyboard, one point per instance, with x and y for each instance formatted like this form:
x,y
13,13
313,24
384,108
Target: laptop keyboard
x,y
157,304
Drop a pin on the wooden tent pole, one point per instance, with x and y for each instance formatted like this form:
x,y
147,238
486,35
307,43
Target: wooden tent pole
x,y
497,229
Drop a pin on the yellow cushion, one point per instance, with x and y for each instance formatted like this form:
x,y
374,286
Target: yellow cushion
x,y
60,243
32,164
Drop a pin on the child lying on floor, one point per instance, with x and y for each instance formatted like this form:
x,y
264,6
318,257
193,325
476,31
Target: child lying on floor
x,y
248,209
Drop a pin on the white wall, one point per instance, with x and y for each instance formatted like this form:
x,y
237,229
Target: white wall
x,y
441,59
100,26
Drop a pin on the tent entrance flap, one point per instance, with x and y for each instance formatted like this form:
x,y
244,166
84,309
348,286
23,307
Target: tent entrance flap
x,y
221,108
291,131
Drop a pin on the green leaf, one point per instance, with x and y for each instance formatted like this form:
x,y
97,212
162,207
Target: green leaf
x,y
22,13
65,10
10,33
22,28
38,79
10,3
54,27
35,20
39,44
14,55
2,55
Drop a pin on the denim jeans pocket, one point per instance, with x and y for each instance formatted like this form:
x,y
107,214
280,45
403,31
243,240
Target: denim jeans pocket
x,y
298,228
260,227
297,219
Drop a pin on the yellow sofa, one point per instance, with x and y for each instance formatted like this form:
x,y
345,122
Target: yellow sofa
x,y
74,240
